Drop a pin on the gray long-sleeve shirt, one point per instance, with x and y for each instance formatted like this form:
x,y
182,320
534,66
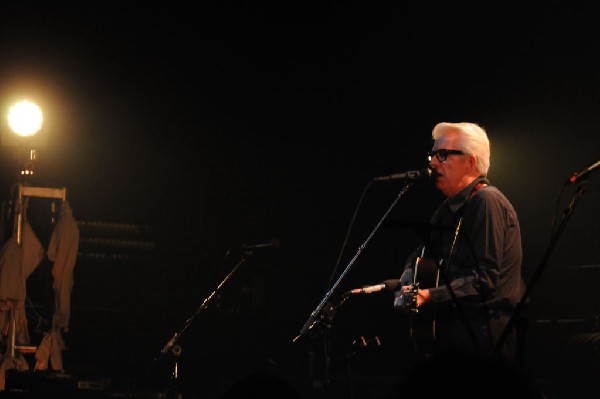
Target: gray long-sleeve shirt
x,y
485,264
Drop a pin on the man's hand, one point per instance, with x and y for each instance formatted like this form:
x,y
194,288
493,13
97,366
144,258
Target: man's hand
x,y
423,296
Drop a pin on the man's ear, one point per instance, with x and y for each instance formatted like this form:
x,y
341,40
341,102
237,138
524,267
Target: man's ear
x,y
473,161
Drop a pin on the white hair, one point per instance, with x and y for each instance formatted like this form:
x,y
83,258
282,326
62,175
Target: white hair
x,y
473,140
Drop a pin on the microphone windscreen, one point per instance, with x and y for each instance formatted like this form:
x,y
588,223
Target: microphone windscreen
x,y
391,284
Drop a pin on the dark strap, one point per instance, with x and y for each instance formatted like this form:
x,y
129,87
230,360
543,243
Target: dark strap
x,y
476,188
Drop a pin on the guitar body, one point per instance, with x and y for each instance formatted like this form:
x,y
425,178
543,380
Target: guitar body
x,y
422,322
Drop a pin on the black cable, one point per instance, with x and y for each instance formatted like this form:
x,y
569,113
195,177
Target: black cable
x,y
350,226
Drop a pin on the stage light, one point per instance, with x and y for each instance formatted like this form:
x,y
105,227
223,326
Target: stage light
x,y
25,134
25,118
23,128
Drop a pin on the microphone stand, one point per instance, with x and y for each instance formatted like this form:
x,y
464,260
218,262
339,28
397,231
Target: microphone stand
x,y
568,212
171,345
312,319
324,310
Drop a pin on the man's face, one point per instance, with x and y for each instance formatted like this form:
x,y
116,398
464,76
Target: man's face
x,y
455,172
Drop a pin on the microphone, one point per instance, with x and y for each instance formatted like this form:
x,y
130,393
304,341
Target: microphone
x,y
273,243
578,176
387,285
413,175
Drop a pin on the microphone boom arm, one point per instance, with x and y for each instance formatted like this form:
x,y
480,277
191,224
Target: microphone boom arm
x,y
175,338
313,318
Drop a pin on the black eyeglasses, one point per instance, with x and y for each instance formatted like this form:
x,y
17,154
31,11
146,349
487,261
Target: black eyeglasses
x,y
443,153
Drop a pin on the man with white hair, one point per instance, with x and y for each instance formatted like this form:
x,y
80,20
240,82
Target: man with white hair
x,y
474,245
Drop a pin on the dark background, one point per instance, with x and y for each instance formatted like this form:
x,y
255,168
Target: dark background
x,y
198,129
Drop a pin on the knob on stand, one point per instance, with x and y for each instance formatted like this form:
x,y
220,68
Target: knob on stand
x,y
173,387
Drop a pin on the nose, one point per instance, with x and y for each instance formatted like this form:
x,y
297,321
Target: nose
x,y
432,160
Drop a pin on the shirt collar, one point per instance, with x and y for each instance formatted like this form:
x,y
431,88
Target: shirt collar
x,y
456,202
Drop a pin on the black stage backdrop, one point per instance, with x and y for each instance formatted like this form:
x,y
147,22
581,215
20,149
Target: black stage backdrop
x,y
183,133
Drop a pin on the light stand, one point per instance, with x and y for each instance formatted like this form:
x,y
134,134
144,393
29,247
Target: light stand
x,y
23,131
23,193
